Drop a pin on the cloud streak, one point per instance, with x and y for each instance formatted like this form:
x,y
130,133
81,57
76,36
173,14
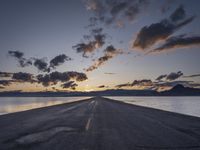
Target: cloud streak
x,y
70,84
143,83
171,76
178,42
149,35
5,74
192,76
109,53
58,60
23,62
111,12
95,40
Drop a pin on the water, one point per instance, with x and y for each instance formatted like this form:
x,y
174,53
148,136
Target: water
x,y
183,105
15,104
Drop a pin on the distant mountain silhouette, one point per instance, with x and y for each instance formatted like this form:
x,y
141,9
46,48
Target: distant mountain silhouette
x,y
178,90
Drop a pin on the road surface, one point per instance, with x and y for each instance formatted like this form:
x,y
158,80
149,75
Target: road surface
x,y
98,124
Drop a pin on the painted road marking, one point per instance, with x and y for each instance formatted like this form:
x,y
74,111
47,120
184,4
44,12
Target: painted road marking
x,y
88,124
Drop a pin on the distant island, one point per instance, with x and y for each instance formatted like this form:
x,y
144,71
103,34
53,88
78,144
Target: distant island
x,y
178,90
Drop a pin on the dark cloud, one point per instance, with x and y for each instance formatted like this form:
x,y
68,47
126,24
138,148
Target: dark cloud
x,y
192,76
109,53
149,35
58,60
41,65
102,86
23,62
178,14
159,78
95,40
5,82
178,42
17,77
52,78
78,76
174,75
123,85
21,76
85,48
143,83
170,77
163,82
110,12
70,84
16,54
5,74
55,77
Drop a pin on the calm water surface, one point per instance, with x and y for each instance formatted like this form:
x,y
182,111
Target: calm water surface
x,y
15,104
183,105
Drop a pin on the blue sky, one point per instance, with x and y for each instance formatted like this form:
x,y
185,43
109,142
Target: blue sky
x,y
47,28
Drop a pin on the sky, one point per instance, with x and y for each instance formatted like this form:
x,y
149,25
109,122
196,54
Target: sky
x,y
88,45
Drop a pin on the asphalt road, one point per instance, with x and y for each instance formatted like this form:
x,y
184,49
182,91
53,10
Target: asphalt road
x,y
98,124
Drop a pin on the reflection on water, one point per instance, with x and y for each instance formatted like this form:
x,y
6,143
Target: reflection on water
x,y
15,104
183,105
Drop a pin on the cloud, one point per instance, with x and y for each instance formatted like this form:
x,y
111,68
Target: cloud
x,y
17,77
41,65
178,14
70,84
192,76
178,42
174,75
102,86
55,77
5,74
109,53
123,85
159,78
22,77
110,12
109,73
23,62
163,82
96,39
142,83
16,54
5,82
78,76
58,60
170,77
149,35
